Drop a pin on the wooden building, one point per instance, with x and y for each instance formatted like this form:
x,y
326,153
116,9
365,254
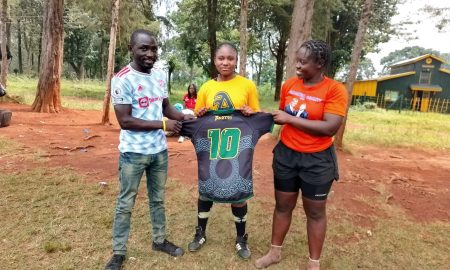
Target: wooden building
x,y
419,80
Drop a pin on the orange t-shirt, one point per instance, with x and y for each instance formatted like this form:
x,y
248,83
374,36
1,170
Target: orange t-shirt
x,y
310,102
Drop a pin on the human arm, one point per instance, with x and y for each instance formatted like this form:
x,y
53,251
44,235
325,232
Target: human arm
x,y
328,126
128,122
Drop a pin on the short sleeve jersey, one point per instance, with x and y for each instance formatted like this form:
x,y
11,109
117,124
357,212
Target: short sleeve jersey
x,y
310,102
224,145
226,95
145,93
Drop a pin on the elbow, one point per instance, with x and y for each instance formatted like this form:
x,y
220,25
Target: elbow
x,y
125,124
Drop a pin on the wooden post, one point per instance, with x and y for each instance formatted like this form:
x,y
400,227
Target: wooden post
x,y
442,106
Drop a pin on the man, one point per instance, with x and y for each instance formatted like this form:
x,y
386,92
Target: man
x,y
140,100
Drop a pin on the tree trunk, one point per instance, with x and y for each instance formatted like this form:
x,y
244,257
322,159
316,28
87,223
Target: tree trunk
x,y
112,52
19,47
40,49
356,54
48,95
212,39
243,38
280,53
300,31
4,41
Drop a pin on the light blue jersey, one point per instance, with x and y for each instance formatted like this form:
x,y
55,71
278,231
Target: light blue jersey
x,y
145,93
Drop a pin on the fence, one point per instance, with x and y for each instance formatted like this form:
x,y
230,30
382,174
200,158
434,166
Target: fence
x,y
437,105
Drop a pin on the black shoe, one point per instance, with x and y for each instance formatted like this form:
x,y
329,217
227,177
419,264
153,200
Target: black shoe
x,y
242,248
169,248
199,240
116,262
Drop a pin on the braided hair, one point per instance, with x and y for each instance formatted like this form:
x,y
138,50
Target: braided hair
x,y
319,50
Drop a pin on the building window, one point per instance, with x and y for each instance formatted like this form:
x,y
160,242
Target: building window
x,y
425,76
390,95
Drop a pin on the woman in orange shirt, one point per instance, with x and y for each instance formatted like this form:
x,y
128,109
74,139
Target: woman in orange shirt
x,y
312,107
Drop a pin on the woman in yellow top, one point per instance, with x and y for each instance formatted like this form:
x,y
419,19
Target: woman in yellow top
x,y
226,92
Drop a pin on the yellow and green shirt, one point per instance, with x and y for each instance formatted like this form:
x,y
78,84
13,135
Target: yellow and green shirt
x,y
226,95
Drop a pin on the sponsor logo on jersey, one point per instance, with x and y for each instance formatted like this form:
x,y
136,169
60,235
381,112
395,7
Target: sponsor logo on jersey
x,y
143,102
223,117
222,101
116,91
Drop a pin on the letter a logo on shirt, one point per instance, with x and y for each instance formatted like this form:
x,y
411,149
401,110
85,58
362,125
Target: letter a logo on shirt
x,y
222,101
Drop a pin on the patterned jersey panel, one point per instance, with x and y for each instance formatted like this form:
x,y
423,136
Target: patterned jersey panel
x,y
224,145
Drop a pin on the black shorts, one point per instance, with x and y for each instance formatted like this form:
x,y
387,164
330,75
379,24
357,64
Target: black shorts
x,y
312,173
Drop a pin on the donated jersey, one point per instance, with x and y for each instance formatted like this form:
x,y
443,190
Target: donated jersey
x,y
227,95
145,93
310,102
224,146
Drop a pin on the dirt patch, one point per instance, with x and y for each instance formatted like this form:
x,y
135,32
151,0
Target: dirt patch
x,y
415,180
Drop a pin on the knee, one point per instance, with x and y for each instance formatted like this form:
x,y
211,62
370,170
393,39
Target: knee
x,y
316,213
284,208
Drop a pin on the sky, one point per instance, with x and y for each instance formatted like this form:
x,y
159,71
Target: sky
x,y
424,30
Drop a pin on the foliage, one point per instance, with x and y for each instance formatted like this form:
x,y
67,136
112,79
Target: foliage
x,y
345,25
440,14
191,25
404,54
366,70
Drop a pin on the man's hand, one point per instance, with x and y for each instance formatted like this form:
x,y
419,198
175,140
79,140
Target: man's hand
x,y
202,111
188,117
173,125
281,117
246,110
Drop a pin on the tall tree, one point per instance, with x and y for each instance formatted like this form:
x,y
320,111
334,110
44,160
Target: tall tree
x,y
243,38
356,55
301,27
4,41
48,95
212,35
341,35
112,48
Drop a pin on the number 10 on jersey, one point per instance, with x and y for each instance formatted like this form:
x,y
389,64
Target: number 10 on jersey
x,y
224,143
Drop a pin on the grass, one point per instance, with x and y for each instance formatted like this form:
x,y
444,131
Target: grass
x,y
393,129
54,219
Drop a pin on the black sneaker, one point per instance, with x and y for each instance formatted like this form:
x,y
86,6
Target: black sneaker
x,y
116,262
199,240
169,248
242,248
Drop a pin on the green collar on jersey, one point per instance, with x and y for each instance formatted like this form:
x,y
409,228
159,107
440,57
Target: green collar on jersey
x,y
219,112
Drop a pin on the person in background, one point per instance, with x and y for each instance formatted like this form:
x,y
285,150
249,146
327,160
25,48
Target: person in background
x,y
191,97
304,159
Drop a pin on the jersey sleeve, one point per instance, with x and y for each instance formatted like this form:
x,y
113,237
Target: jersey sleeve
x,y
201,98
282,97
253,99
336,101
189,127
262,123
120,92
